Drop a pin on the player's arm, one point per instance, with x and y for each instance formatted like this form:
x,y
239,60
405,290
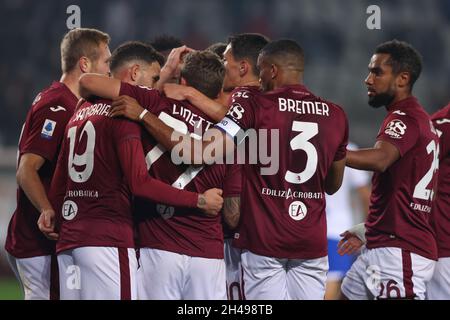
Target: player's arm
x,y
92,84
231,211
212,108
56,194
190,150
378,159
28,179
132,162
333,180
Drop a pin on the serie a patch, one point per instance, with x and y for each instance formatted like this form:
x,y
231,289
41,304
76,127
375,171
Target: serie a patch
x,y
48,129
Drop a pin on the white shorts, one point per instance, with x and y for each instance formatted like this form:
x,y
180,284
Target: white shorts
x,y
38,276
98,273
234,271
388,273
268,278
439,286
165,275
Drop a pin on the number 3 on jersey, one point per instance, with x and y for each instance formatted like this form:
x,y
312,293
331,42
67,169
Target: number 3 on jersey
x,y
301,142
86,159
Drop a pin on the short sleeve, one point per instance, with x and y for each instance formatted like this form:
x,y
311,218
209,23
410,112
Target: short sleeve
x,y
400,130
241,114
441,121
342,149
46,131
147,97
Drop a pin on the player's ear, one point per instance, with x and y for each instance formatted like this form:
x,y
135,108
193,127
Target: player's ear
x,y
403,79
243,68
85,64
134,72
273,71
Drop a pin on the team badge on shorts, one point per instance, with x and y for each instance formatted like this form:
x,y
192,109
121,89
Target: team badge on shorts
x,y
297,210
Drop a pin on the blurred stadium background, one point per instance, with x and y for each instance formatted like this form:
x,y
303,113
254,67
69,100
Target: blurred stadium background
x,y
337,43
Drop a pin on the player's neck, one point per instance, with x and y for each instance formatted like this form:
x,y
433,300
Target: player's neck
x,y
71,81
288,82
288,79
399,97
249,82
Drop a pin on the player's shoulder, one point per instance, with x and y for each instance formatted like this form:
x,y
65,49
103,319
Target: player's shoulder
x,y
57,97
336,110
333,105
301,92
145,90
407,118
141,93
244,94
196,112
409,109
443,113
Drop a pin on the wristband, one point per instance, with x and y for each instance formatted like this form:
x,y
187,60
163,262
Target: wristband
x,y
142,115
359,230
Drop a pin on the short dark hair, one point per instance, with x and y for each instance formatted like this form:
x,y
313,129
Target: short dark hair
x,y
165,42
285,52
134,50
218,48
403,58
204,71
247,46
81,42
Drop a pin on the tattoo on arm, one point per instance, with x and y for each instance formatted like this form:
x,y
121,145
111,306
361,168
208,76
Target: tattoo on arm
x,y
201,201
231,211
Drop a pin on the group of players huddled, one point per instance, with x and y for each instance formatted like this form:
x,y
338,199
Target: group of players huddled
x,y
104,210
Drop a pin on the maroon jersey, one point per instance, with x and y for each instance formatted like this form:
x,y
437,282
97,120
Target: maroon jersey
x,y
42,134
100,167
400,203
180,230
441,206
283,214
232,187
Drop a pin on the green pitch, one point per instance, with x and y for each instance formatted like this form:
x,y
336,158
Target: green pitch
x,y
10,289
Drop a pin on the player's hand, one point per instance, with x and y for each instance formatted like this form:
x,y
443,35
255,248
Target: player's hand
x,y
176,91
46,224
211,202
175,57
172,67
127,107
349,244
